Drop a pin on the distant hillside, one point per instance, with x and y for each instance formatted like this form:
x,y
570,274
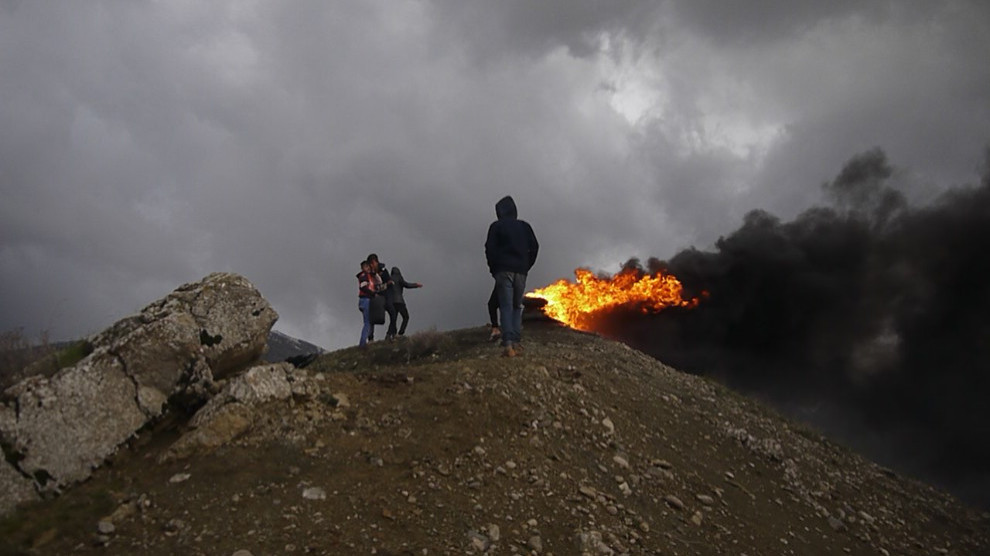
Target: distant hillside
x,y
435,444
282,346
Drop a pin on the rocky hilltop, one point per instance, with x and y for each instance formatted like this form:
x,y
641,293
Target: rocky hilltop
x,y
56,429
436,445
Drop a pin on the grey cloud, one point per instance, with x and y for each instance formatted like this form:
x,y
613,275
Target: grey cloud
x,y
493,30
143,145
766,20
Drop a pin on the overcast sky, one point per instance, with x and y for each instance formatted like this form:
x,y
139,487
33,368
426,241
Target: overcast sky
x,y
144,145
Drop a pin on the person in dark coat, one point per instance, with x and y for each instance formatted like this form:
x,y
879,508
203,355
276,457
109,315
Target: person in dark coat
x,y
511,250
398,301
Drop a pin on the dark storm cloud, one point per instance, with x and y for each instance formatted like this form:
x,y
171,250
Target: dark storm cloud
x,y
143,145
493,30
867,317
767,20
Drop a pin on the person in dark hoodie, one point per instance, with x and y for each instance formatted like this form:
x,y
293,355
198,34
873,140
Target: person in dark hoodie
x,y
398,301
511,250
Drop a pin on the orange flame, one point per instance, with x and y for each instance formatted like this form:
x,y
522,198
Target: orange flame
x,y
574,304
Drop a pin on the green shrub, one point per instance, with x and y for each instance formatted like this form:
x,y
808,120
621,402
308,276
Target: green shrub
x,y
20,358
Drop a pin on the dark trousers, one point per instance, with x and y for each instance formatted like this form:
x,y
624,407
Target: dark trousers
x,y
392,310
399,310
493,307
511,287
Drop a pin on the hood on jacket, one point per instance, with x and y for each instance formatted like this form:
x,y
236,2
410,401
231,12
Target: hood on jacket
x,y
396,274
506,208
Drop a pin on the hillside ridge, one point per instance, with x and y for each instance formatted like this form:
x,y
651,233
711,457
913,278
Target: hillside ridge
x,y
436,445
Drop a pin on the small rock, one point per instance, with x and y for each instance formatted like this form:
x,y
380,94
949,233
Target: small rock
x,y
314,493
479,450
591,542
835,523
621,462
123,512
609,425
173,526
105,527
588,491
478,541
535,543
341,400
242,552
705,499
696,518
674,502
493,532
179,477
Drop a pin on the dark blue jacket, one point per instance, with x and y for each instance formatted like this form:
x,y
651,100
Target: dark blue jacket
x,y
511,245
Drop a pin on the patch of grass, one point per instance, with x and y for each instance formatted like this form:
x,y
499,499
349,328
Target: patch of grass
x,y
56,360
430,344
73,353
21,358
17,352
426,343
29,528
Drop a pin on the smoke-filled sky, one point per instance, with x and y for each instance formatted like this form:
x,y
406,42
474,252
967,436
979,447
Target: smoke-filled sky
x,y
146,144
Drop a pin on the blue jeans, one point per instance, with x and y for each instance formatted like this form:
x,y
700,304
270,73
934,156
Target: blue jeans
x,y
510,287
364,305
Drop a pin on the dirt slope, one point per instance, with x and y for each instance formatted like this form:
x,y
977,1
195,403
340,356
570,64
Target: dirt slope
x,y
436,445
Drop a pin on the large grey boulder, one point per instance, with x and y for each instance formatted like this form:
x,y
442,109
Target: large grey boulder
x,y
231,412
56,430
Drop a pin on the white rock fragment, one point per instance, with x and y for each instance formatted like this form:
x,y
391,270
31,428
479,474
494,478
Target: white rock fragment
x,y
314,493
609,425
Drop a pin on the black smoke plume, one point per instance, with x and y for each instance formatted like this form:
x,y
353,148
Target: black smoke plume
x,y
868,318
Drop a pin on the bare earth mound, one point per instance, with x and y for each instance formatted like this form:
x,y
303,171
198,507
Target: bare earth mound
x,y
436,445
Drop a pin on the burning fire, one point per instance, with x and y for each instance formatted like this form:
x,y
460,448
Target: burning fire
x,y
574,303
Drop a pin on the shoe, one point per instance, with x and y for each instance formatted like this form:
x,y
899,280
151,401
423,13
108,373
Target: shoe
x,y
495,335
508,352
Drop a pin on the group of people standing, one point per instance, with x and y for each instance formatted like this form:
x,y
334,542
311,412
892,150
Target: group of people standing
x,y
377,285
510,249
